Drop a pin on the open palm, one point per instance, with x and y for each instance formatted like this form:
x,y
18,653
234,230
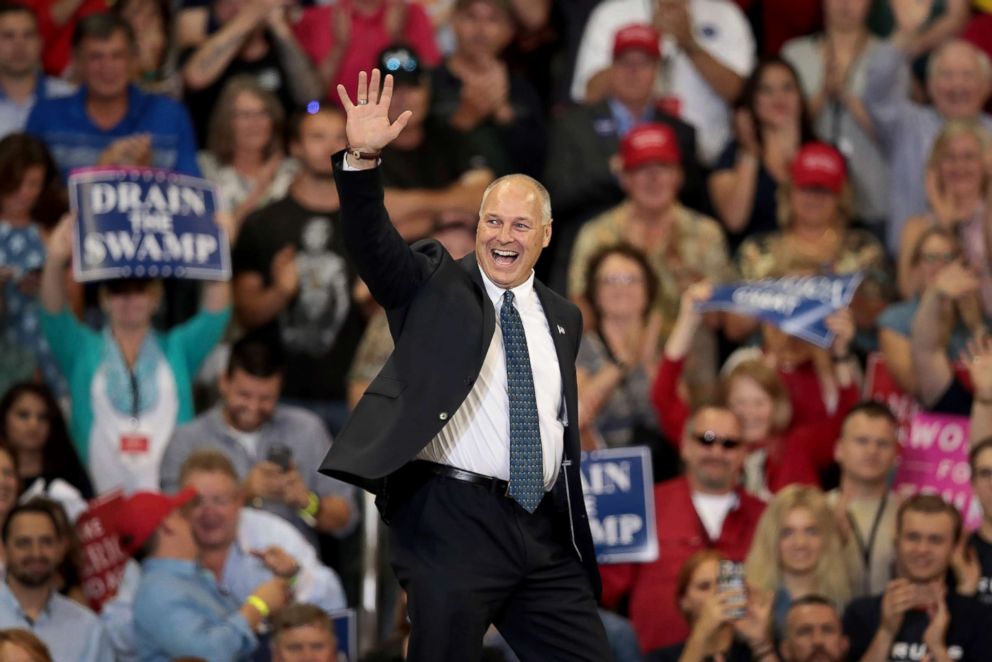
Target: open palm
x,y
368,127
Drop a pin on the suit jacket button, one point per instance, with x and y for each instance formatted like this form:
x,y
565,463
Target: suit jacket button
x,y
443,415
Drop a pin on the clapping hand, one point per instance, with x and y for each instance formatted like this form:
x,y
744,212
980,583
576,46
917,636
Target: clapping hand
x,y
368,128
978,358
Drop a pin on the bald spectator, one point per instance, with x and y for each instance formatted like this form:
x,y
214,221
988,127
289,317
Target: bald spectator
x,y
813,631
959,81
708,50
22,80
705,508
581,174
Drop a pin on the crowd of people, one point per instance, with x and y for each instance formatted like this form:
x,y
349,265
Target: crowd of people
x,y
685,144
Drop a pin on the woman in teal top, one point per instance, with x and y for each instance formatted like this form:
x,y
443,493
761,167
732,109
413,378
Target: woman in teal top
x,y
130,385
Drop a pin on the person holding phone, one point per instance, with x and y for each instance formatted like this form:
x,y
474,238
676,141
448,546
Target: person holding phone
x,y
918,617
275,448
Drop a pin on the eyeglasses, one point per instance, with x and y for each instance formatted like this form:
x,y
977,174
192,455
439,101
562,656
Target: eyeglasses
x,y
620,279
983,474
938,258
708,438
249,114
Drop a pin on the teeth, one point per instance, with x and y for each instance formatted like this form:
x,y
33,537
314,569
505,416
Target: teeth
x,y
504,253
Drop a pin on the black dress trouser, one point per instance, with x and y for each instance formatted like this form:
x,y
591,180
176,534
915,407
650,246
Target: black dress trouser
x,y
468,557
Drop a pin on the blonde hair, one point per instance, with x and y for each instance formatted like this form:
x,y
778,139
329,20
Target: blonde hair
x,y
954,129
763,565
768,380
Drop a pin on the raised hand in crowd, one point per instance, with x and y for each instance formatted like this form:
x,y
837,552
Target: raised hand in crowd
x,y
910,15
941,204
955,281
978,357
755,627
672,17
966,566
133,150
279,562
900,596
746,133
265,480
935,636
368,127
395,21
688,320
274,594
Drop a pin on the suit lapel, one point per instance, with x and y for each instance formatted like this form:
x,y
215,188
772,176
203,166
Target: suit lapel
x,y
563,349
471,267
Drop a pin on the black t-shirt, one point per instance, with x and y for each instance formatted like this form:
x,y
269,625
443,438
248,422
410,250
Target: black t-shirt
x,y
321,327
969,636
438,161
984,552
738,652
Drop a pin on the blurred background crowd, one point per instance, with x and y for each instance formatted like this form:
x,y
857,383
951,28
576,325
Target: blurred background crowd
x,y
685,144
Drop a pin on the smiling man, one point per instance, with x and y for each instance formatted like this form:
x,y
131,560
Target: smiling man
x,y
468,433
918,617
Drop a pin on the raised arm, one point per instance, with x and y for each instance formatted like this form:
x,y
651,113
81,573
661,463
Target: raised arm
x,y
979,361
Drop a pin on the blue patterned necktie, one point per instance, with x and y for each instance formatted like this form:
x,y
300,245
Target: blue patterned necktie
x,y
526,457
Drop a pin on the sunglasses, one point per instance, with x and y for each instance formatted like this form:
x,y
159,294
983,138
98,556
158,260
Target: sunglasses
x,y
127,286
709,438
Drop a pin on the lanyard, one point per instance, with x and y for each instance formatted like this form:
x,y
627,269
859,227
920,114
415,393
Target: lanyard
x,y
866,550
135,396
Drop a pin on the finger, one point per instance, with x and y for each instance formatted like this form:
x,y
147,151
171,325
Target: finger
x,y
374,87
387,91
397,127
362,93
345,99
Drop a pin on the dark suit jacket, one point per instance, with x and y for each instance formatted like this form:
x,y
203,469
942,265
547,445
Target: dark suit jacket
x,y
442,322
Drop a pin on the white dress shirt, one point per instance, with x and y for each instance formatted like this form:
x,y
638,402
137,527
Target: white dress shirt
x,y
477,437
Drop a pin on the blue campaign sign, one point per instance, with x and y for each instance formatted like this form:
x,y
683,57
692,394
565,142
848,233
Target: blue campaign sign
x,y
619,493
146,223
345,629
799,305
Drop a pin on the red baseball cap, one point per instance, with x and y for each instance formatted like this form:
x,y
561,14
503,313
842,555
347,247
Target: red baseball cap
x,y
650,142
140,514
637,35
818,165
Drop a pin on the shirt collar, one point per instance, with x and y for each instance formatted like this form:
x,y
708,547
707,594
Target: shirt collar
x,y
7,596
522,293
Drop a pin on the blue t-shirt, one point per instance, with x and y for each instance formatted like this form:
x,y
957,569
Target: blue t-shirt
x,y
75,142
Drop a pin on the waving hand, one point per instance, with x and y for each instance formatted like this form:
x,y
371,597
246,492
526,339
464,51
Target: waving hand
x,y
368,127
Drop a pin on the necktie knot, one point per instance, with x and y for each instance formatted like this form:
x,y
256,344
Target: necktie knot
x,y
508,298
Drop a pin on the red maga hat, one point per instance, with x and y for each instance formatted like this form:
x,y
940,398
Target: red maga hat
x,y
650,142
818,165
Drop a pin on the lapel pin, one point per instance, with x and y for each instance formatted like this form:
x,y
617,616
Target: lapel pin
x,y
561,329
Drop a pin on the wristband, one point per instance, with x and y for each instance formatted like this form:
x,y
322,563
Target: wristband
x,y
313,505
843,359
762,652
360,155
259,605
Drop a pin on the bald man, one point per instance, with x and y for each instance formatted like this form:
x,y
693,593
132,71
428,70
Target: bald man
x,y
468,435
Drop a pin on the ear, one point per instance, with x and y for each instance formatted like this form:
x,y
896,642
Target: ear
x,y
547,234
837,451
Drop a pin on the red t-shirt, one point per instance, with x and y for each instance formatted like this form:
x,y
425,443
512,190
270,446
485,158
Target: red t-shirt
x,y
315,34
57,39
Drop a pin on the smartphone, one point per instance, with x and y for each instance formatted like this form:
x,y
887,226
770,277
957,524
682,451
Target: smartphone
x,y
281,455
731,579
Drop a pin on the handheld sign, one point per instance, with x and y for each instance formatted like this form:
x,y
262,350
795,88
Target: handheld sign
x,y
935,461
146,223
103,558
798,305
345,630
619,494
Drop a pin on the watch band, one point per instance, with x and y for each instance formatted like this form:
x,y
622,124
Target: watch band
x,y
360,155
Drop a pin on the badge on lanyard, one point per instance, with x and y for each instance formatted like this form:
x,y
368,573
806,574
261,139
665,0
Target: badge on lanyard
x,y
134,442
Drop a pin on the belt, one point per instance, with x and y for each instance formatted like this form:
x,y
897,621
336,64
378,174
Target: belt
x,y
495,485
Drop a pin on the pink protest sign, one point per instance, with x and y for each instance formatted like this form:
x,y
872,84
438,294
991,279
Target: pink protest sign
x,y
935,461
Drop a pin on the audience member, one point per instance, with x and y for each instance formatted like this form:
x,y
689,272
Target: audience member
x,y
244,547
708,48
979,359
959,81
344,38
275,449
303,633
22,80
864,506
705,508
130,385
179,609
581,174
917,615
938,387
292,280
33,548
109,121
619,355
428,171
29,190
813,631
771,124
814,217
158,72
957,181
972,562
9,489
244,156
942,20
18,645
790,401
228,38
935,248
475,94
832,68
68,575
681,245
33,428
57,22
796,552
716,627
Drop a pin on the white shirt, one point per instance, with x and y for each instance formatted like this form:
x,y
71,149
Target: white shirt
x,y
712,510
722,31
477,437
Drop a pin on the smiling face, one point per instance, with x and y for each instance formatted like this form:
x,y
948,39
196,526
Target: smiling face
x,y
957,82
712,467
753,406
700,588
621,291
34,549
104,65
214,516
924,543
250,122
26,427
653,187
961,167
777,101
511,233
800,542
